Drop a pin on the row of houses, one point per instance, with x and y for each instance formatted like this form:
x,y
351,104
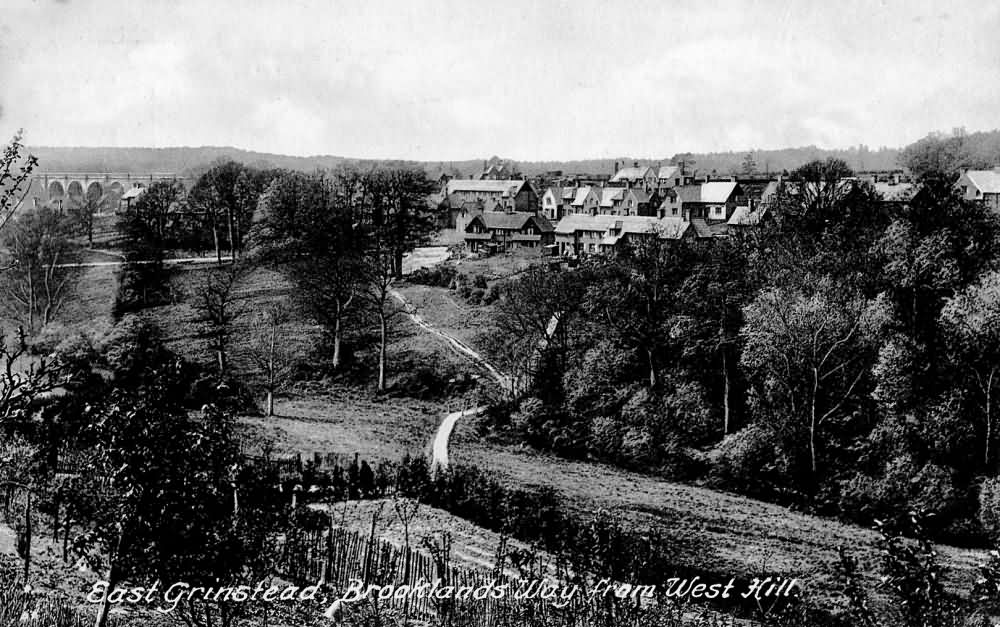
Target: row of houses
x,y
503,214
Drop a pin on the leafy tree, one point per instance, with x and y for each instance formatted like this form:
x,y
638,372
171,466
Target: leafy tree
x,y
807,351
143,278
971,323
638,299
749,166
399,210
311,227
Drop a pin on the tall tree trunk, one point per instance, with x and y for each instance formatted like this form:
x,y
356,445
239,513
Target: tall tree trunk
x,y
215,239
989,417
812,422
381,351
652,368
232,242
725,393
336,338
113,579
270,402
397,264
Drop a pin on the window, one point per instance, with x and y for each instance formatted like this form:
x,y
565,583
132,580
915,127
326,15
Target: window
x,y
673,211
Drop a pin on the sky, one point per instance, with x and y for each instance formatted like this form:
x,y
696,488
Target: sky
x,y
451,79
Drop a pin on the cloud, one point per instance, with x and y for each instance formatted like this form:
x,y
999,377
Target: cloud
x,y
452,79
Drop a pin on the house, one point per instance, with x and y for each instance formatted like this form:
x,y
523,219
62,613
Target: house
x,y
643,177
496,169
747,217
556,202
586,201
578,234
501,231
501,195
981,186
713,202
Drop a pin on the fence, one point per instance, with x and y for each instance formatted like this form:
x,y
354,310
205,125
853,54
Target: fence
x,y
336,556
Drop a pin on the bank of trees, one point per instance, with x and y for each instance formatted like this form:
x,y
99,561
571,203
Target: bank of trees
x,y
842,358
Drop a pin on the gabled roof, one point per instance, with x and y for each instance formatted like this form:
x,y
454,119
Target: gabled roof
x,y
475,185
742,216
718,191
986,181
133,192
640,195
631,174
501,220
689,193
579,222
667,172
581,196
611,194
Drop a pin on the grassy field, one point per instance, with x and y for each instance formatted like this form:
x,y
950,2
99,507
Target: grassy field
x,y
719,531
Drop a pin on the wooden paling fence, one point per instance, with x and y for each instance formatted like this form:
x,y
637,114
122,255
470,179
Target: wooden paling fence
x,y
337,556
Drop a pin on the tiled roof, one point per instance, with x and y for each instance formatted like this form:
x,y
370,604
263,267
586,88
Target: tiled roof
x,y
640,195
469,185
689,193
611,194
667,172
701,227
742,216
503,220
613,227
581,196
986,181
630,174
577,222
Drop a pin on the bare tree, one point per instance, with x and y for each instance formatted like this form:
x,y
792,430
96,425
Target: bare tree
x,y
15,176
269,351
380,272
40,272
220,304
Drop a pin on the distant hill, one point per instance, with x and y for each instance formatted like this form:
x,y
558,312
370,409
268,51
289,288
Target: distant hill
x,y
192,161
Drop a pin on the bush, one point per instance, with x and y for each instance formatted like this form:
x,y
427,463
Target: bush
x,y
441,275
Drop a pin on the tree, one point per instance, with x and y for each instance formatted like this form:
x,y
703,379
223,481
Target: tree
x,y
218,301
164,491
227,195
399,210
379,273
83,211
40,276
971,324
143,278
638,299
269,351
713,296
15,178
822,184
807,351
311,227
749,165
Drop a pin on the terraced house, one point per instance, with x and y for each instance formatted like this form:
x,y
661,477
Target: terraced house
x,y
501,231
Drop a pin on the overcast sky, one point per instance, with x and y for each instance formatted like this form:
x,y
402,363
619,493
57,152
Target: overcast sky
x,y
466,79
